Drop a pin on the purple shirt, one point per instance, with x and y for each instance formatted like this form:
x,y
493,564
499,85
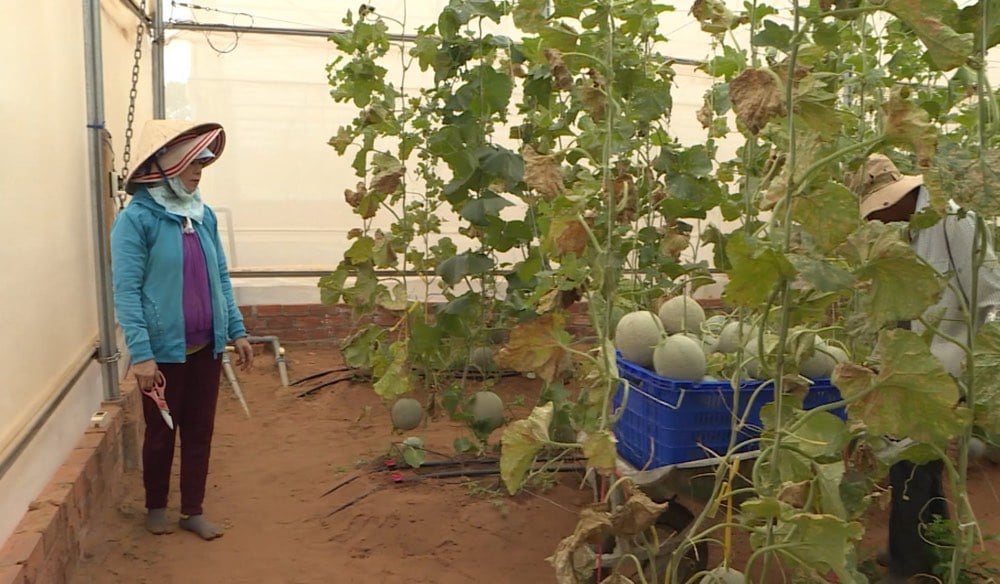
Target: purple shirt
x,y
197,295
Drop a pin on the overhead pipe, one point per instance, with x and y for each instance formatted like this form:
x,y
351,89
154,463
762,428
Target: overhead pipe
x,y
108,353
159,82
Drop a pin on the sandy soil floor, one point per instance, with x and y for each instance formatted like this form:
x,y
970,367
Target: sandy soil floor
x,y
269,474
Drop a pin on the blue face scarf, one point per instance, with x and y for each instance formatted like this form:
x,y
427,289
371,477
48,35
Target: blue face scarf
x,y
177,200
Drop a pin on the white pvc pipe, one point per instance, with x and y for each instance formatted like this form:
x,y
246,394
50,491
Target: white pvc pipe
x,y
227,367
279,355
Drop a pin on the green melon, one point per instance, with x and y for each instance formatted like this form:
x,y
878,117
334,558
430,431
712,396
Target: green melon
x,y
839,355
680,357
681,313
636,334
482,358
406,413
487,409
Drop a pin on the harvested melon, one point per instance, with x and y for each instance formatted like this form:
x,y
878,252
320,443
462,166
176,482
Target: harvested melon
x,y
820,364
487,409
680,357
752,355
730,339
839,355
636,334
682,313
406,413
723,575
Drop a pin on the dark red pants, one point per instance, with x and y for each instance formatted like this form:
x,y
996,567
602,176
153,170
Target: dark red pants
x,y
192,393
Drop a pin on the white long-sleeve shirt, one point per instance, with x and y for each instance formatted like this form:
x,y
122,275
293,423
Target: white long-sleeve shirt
x,y
956,235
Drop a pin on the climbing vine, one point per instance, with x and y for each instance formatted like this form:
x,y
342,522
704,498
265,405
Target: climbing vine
x,y
537,175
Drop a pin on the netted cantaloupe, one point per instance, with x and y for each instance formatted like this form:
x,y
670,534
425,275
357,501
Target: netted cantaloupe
x,y
680,357
406,413
636,335
681,313
487,409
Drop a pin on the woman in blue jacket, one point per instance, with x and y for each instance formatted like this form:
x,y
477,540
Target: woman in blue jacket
x,y
174,302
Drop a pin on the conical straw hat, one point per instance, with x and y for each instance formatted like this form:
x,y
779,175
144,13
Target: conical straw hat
x,y
173,144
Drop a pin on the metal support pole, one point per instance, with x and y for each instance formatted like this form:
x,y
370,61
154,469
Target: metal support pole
x,y
108,350
159,84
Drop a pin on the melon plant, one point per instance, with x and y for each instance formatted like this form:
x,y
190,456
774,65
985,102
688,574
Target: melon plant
x,y
680,357
636,335
681,313
406,413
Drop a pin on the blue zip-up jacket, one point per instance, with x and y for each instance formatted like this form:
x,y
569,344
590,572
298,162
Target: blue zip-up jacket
x,y
147,264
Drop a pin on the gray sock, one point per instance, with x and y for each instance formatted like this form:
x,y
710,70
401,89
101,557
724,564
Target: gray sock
x,y
156,522
199,525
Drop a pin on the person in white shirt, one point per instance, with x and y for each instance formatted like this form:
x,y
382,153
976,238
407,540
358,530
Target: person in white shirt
x,y
890,196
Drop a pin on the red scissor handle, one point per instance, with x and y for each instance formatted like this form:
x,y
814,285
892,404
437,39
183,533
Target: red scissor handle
x,y
157,391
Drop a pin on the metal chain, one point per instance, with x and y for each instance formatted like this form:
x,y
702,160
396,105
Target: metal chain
x,y
132,94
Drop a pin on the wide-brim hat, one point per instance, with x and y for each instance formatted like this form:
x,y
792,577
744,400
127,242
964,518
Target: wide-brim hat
x,y
880,185
167,147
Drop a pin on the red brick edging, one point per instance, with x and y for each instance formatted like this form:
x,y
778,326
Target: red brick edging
x,y
45,545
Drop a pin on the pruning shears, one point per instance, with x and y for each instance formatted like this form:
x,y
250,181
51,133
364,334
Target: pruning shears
x,y
157,393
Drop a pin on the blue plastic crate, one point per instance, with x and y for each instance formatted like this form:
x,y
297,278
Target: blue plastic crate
x,y
667,421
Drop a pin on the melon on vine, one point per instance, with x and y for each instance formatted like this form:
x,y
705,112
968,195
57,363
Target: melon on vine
x,y
406,413
636,334
680,357
487,409
681,313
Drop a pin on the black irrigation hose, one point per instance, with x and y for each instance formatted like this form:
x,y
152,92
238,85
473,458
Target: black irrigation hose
x,y
477,472
317,375
313,390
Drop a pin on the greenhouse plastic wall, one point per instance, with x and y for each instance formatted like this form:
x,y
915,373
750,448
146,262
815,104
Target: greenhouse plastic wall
x,y
48,304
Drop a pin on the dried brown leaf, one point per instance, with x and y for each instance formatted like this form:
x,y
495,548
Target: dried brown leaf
x,y
573,558
542,173
561,77
909,126
757,96
535,347
637,514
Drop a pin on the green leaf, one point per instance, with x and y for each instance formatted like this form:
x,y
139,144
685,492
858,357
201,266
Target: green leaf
x,y
909,126
774,35
477,211
361,251
910,396
821,275
520,444
599,448
332,285
946,48
986,358
414,457
829,478
896,284
726,65
502,163
829,213
360,348
529,15
463,445
756,269
455,269
393,376
826,541
970,20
